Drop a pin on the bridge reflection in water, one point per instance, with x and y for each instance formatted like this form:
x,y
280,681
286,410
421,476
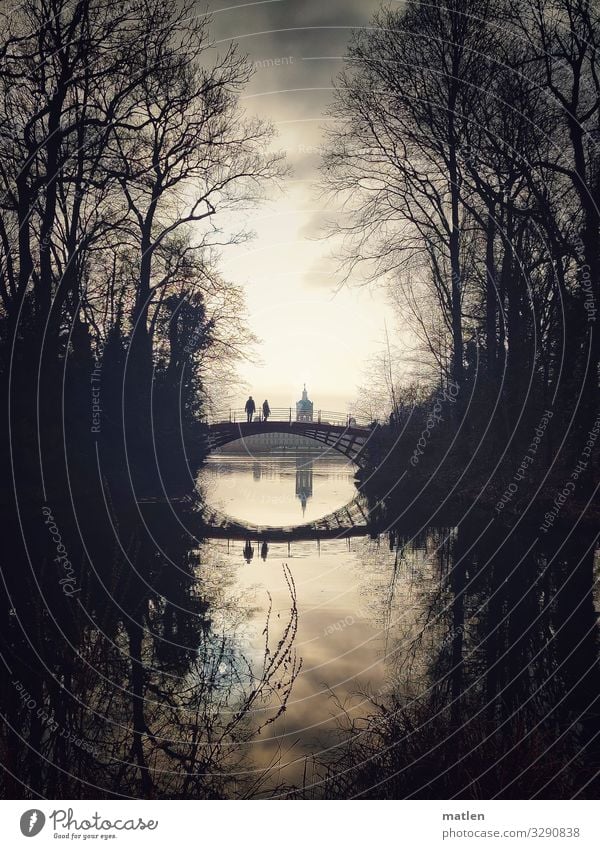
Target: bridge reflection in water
x,y
255,493
349,521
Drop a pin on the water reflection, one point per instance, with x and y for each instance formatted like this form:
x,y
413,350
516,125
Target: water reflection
x,y
496,694
248,551
304,479
278,489
138,684
433,652
451,659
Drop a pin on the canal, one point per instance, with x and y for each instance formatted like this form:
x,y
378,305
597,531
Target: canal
x,y
435,655
358,608
405,646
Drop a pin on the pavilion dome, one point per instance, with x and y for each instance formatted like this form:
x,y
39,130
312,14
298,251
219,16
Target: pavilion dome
x,y
304,407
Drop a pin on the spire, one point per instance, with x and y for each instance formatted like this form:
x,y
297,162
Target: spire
x,y
304,394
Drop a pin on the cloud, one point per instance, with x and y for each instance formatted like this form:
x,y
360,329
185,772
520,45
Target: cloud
x,y
289,271
284,36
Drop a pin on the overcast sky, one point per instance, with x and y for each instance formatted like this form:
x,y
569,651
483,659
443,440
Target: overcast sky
x,y
309,334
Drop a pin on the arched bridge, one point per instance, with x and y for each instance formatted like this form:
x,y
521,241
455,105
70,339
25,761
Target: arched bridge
x,y
344,433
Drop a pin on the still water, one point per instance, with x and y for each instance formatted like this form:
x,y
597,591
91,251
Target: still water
x,y
458,636
354,604
278,489
453,656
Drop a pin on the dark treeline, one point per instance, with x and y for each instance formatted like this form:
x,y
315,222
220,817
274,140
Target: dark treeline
x,y
121,146
466,148
466,151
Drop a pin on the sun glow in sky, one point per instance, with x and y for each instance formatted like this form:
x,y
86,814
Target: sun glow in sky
x,y
311,331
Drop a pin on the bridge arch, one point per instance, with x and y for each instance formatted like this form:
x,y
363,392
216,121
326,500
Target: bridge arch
x,y
349,438
351,520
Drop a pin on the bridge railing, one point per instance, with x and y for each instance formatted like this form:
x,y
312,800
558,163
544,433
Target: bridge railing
x,y
288,414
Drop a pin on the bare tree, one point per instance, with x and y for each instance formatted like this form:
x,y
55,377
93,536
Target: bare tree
x,y
403,109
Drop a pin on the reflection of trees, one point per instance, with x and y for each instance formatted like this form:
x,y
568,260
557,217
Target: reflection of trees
x,y
132,689
498,693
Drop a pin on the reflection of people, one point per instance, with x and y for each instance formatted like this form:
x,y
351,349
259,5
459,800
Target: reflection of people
x,y
266,410
264,550
248,551
250,408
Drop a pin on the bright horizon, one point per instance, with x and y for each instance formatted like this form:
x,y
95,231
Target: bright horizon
x,y
311,331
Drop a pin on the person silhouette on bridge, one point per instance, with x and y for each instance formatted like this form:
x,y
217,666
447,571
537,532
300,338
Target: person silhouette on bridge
x,y
250,408
266,410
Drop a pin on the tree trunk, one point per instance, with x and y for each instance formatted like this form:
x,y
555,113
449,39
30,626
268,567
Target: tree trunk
x,y
490,294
